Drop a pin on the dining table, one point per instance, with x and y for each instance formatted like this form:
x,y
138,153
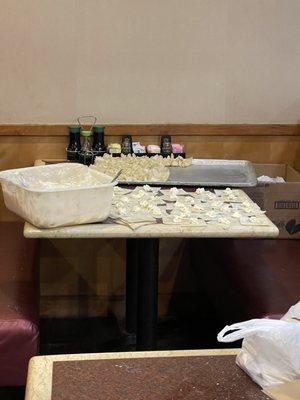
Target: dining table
x,y
155,375
142,260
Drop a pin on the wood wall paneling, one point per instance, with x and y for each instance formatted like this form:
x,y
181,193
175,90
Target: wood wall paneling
x,y
87,277
161,129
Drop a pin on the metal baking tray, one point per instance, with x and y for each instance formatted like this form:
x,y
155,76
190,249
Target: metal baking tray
x,y
202,172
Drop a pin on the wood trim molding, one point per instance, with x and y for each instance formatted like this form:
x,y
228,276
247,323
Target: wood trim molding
x,y
161,129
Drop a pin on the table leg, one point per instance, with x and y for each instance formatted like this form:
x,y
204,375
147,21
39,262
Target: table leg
x,y
131,284
147,294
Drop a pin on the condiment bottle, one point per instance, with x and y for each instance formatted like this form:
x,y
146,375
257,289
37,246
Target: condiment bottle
x,y
74,146
98,146
86,155
127,144
166,145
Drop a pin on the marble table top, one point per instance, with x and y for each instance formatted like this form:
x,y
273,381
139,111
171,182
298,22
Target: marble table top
x,y
113,230
39,379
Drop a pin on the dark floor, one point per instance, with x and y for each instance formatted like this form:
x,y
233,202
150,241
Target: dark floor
x,y
104,335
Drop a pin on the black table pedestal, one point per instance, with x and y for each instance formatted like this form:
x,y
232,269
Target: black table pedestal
x,y
142,263
131,284
147,294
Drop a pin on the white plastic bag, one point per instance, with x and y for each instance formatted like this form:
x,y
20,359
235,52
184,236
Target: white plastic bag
x,y
270,352
293,314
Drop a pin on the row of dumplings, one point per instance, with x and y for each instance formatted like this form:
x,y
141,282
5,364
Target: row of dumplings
x,y
176,206
139,169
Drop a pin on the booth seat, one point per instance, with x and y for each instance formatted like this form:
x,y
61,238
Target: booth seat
x,y
19,303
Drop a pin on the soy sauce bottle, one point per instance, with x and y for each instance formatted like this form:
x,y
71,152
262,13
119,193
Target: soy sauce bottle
x,y
98,147
74,146
126,144
166,145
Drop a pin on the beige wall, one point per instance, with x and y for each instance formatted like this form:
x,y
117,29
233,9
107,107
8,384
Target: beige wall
x,y
138,61
204,61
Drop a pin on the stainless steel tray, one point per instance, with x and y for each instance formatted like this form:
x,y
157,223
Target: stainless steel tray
x,y
204,172
234,173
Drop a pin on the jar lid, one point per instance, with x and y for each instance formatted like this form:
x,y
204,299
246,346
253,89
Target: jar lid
x,y
86,133
74,129
98,129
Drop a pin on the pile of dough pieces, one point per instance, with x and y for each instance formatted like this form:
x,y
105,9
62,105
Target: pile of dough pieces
x,y
139,169
223,208
69,176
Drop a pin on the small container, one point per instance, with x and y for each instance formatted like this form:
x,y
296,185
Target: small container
x,y
138,149
127,144
166,145
153,149
98,146
178,150
114,149
74,146
53,206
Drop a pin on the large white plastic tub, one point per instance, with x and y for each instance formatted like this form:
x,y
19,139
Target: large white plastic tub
x,y
57,195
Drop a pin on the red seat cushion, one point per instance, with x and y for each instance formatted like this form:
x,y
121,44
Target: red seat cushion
x,y
19,303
